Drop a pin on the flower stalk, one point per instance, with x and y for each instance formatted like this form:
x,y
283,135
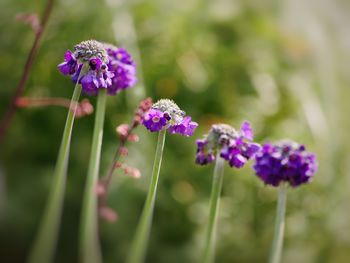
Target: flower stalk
x,y
89,245
45,242
139,245
277,245
125,133
209,249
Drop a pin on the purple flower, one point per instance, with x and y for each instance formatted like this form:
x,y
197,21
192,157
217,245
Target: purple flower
x,y
69,66
246,131
203,156
165,114
154,120
96,78
285,161
235,147
123,67
119,54
186,127
95,74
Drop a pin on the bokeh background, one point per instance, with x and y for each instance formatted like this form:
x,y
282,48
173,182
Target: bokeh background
x,y
282,65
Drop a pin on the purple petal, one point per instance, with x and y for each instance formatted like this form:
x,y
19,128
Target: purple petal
x,y
68,56
247,131
64,68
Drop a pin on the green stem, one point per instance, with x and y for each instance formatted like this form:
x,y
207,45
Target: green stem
x,y
209,250
46,239
139,245
89,244
277,244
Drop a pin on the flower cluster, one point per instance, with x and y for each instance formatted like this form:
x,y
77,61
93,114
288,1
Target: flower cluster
x,y
285,161
165,114
107,67
123,67
236,147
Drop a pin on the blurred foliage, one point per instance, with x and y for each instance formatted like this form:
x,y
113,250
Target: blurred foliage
x,y
283,65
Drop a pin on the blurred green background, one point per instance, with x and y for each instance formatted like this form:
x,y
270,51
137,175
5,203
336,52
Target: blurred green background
x,y
282,65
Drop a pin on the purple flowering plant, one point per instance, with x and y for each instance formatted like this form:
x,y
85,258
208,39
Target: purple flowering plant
x,y
223,143
236,147
101,69
96,69
164,115
285,163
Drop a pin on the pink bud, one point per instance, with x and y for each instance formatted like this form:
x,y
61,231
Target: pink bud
x,y
118,165
84,108
21,102
123,151
100,189
122,130
108,214
133,138
132,171
30,19
136,173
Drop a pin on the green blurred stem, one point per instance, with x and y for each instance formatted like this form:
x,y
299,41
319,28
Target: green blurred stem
x,y
139,245
276,251
89,243
209,249
46,239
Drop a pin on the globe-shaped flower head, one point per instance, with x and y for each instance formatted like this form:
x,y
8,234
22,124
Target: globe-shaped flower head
x,y
95,75
285,161
236,147
106,67
165,114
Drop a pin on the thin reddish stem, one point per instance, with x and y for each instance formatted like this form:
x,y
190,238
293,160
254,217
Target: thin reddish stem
x,y
106,181
6,120
38,102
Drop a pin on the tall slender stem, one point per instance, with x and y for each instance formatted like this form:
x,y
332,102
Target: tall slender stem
x,y
89,244
139,245
45,243
6,120
209,249
276,251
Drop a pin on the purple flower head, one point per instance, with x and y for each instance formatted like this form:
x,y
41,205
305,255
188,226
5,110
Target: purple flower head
x,y
235,147
123,67
286,161
154,120
204,155
95,74
165,114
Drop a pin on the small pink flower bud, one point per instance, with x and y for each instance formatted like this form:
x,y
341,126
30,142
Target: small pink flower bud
x,y
108,214
30,19
122,130
100,189
133,138
123,151
84,108
21,102
118,165
132,171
